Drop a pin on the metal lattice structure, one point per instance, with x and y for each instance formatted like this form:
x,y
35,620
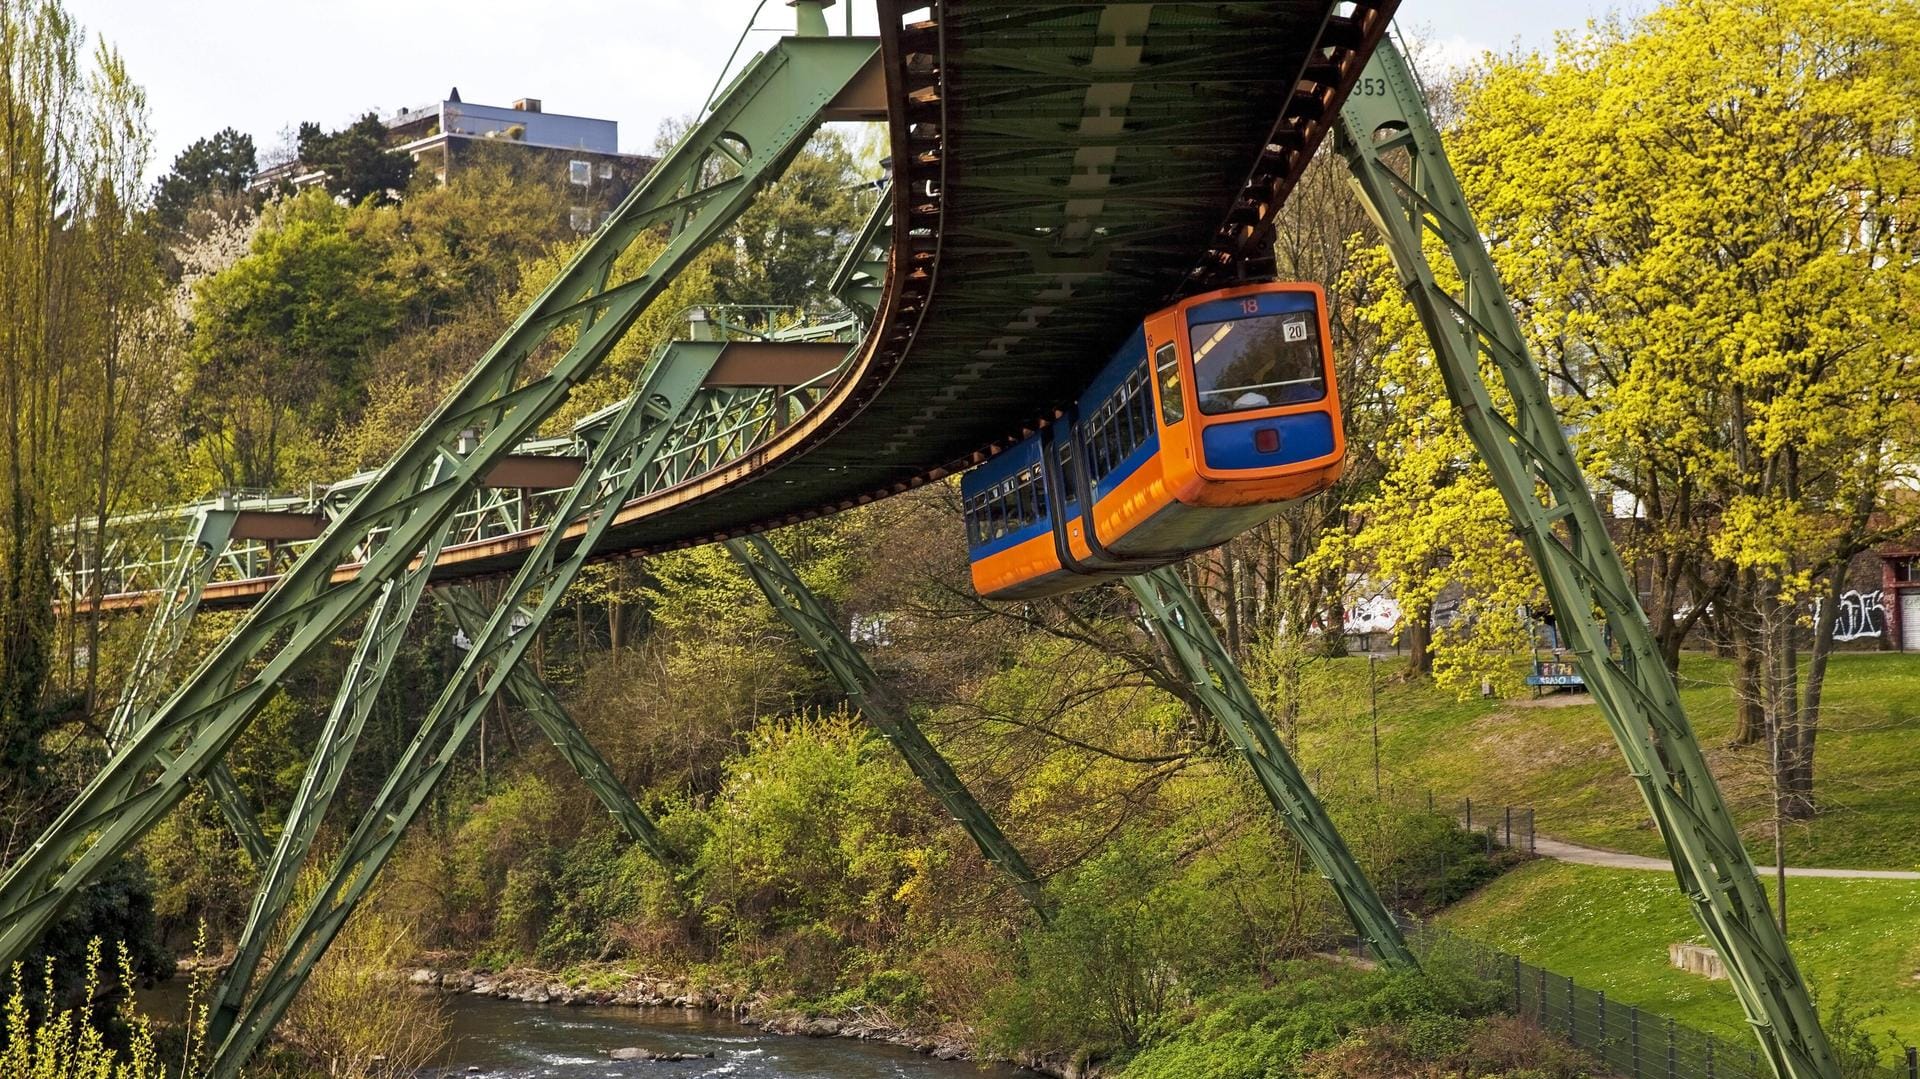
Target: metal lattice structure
x,y
1058,168
820,631
1173,614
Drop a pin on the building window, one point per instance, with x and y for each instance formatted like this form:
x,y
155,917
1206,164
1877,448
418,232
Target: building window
x,y
581,218
606,170
580,172
1904,569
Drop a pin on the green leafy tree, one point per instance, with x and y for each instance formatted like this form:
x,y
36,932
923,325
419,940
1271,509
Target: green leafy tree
x,y
357,162
281,339
1706,218
219,164
788,245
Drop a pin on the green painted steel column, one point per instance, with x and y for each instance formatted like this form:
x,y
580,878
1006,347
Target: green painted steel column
x,y
1408,186
1177,618
380,640
742,144
539,701
619,462
817,628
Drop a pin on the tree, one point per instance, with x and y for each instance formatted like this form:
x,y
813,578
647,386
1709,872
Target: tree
x,y
356,160
787,246
221,164
282,337
78,286
1705,217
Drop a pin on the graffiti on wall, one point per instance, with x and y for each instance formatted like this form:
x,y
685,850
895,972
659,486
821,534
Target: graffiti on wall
x,y
1861,615
1378,613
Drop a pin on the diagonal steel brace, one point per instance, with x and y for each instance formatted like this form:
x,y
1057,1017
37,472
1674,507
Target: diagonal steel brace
x,y
816,627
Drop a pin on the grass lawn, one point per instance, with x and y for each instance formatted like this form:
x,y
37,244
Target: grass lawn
x,y
1609,929
1557,755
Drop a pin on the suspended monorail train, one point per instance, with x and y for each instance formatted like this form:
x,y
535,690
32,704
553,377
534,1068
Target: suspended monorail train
x,y
1215,412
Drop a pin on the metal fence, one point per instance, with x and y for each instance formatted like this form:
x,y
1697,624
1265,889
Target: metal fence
x,y
1505,825
1632,1043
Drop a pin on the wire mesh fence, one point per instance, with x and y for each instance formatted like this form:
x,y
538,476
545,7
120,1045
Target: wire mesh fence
x,y
1508,826
1631,1042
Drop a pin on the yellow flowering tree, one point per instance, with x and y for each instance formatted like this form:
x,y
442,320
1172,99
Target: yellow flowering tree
x,y
1707,219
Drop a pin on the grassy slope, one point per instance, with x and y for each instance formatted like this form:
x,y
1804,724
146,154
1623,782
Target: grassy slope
x,y
1610,929
1557,755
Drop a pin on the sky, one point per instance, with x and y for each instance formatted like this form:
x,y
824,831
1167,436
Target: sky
x,y
265,67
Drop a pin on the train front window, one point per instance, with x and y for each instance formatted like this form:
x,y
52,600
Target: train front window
x,y
1258,362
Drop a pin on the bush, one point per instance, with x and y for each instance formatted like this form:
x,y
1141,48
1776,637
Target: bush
x,y
1316,1022
1138,933
72,1043
1435,863
355,1018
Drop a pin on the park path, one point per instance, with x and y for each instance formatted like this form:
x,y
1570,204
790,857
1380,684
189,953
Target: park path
x,y
1562,851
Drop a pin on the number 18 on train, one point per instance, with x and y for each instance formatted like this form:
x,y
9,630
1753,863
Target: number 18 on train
x,y
1215,412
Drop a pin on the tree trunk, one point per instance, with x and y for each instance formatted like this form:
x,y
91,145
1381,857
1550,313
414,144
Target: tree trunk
x,y
1420,643
1748,692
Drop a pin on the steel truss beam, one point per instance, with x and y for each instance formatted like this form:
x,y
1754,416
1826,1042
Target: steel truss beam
x,y
1177,619
820,631
198,558
539,701
1408,187
702,186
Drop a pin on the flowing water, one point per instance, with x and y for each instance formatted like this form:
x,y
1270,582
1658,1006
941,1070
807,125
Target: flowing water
x,y
524,1041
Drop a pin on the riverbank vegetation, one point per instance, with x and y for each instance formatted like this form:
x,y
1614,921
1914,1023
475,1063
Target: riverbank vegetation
x,y
1721,290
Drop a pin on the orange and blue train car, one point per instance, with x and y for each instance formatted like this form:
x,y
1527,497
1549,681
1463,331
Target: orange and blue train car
x,y
1215,412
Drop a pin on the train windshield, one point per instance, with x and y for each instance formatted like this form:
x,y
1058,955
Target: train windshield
x,y
1259,361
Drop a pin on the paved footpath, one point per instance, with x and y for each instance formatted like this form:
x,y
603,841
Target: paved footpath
x,y
1560,850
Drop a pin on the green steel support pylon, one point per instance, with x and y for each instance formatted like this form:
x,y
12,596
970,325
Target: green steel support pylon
x,y
817,629
746,141
1409,188
620,459
380,640
212,528
539,701
1177,618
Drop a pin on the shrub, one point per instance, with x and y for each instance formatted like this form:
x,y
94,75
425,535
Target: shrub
x,y
71,1043
355,1019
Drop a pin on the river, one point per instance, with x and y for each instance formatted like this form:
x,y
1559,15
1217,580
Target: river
x,y
524,1041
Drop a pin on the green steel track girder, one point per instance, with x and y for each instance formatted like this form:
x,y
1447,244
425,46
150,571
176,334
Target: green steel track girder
x,y
539,701
1175,616
819,631
212,528
613,470
1409,188
699,189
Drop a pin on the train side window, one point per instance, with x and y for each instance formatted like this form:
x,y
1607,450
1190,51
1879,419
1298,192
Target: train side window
x,y
1140,403
1069,489
1172,407
1027,516
973,521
